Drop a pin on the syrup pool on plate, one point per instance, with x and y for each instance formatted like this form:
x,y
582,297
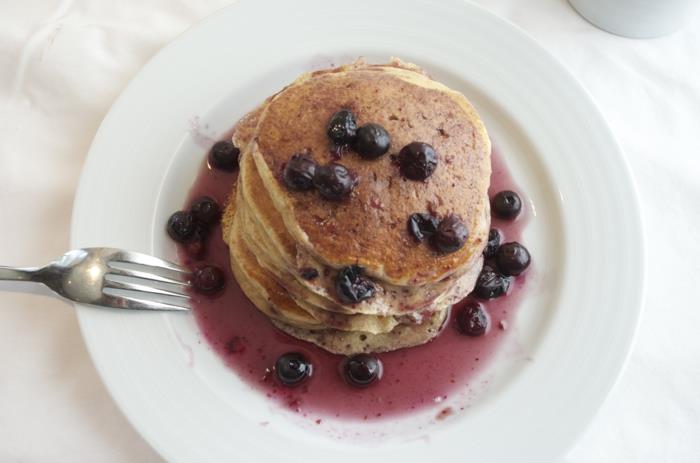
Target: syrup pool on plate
x,y
413,378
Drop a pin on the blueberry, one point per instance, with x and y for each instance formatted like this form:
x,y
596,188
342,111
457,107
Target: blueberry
x,y
342,127
292,368
208,279
308,273
472,319
205,210
506,205
181,226
361,370
512,258
493,243
352,286
372,141
333,181
417,160
422,225
491,284
224,156
299,172
451,235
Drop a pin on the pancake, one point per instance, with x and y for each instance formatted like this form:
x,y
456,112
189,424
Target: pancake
x,y
276,235
243,133
267,296
411,107
349,343
287,315
287,259
255,240
306,301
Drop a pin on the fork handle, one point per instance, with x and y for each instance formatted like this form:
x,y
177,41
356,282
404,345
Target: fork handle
x,y
15,280
17,274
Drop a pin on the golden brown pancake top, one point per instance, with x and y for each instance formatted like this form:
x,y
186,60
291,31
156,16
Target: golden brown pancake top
x,y
370,227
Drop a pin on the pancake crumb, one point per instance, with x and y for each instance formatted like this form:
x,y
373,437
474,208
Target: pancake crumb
x,y
444,413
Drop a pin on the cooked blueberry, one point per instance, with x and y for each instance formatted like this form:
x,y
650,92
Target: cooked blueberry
x,y
181,226
299,172
208,279
512,258
493,243
472,319
292,368
361,370
352,286
224,156
333,181
422,225
342,127
491,284
506,204
372,141
308,273
417,160
205,210
451,234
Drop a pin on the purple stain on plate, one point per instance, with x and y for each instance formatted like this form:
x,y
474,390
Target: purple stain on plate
x,y
197,132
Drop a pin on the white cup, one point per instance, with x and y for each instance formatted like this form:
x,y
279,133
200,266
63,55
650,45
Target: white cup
x,y
637,18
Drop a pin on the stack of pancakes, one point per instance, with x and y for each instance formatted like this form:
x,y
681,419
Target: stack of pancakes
x,y
287,246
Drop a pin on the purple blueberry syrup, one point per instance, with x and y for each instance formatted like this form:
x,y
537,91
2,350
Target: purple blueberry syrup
x,y
411,379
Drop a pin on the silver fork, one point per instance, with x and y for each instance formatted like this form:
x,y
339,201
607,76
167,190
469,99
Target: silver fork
x,y
108,277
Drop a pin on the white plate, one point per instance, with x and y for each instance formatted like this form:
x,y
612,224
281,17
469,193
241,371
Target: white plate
x,y
572,334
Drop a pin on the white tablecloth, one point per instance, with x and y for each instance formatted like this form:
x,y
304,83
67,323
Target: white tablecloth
x,y
63,64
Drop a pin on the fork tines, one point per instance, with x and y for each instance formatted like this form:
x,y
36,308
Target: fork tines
x,y
141,281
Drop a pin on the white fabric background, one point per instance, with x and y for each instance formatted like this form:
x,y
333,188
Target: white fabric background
x,y
62,64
